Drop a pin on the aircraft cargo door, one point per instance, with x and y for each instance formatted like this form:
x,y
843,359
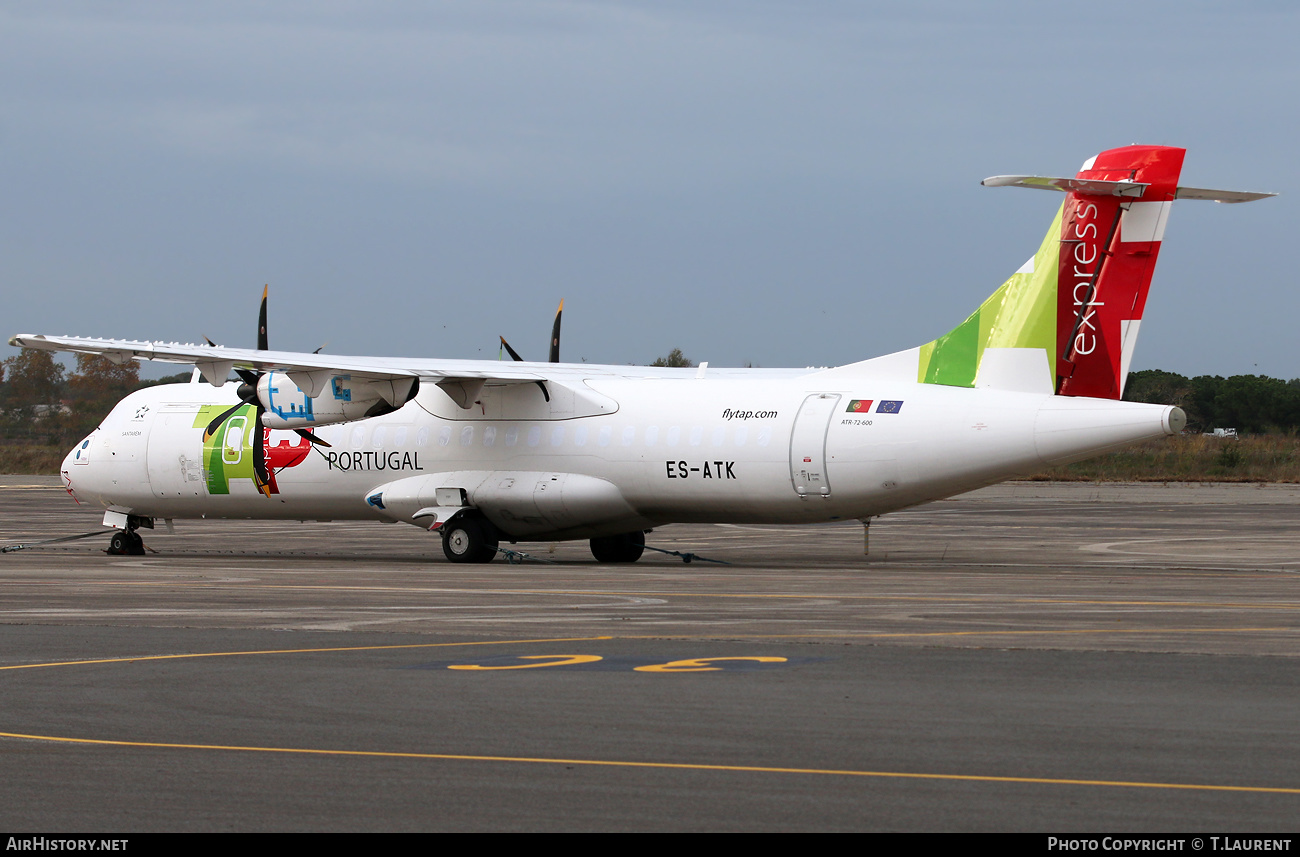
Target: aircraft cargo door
x,y
808,445
175,452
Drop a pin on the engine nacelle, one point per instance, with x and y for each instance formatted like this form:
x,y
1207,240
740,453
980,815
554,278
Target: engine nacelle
x,y
328,398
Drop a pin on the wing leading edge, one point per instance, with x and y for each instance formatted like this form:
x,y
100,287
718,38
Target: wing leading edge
x,y
461,379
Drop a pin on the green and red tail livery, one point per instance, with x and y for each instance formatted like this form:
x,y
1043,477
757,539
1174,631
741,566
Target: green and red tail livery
x,y
1079,301
1109,246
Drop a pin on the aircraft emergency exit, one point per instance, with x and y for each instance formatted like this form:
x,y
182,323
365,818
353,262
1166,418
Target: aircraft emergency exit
x,y
482,452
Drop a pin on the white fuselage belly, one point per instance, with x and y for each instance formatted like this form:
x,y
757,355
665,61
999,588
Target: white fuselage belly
x,y
768,450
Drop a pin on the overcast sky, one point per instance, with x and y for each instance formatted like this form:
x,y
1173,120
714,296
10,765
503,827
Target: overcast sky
x,y
786,184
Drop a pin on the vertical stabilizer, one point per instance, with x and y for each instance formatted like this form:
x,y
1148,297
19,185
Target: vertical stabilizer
x,y
1021,314
1109,246
1067,321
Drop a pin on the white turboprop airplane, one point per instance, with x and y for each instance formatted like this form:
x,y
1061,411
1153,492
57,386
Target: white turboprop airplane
x,y
482,452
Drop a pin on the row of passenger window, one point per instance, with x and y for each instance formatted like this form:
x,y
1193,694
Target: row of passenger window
x,y
556,434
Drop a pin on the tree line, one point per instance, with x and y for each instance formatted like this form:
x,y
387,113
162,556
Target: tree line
x,y
42,403
1252,404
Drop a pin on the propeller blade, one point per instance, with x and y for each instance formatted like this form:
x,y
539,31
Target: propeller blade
x,y
555,350
311,437
209,342
555,335
513,354
248,396
261,478
261,323
221,418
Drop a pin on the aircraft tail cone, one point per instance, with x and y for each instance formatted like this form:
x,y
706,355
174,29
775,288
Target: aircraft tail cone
x,y
1176,421
1072,429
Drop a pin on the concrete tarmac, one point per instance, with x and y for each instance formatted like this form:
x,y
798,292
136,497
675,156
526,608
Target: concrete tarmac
x,y
1039,657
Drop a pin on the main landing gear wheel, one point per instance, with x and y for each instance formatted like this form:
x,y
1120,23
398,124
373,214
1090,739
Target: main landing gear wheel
x,y
126,543
470,539
625,547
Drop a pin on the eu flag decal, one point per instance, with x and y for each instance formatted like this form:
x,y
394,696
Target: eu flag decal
x,y
889,406
859,406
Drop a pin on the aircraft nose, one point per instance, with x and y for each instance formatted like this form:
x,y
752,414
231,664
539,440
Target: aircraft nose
x,y
79,454
74,476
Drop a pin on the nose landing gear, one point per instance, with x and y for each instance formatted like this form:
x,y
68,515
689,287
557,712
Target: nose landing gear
x,y
128,542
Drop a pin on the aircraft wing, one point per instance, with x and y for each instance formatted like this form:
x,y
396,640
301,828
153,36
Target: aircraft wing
x,y
311,372
460,379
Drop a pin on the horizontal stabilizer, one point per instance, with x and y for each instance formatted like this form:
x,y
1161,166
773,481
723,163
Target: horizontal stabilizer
x,y
1219,195
1097,187
1088,187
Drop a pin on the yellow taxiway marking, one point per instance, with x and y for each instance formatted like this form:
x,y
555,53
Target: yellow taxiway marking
x,y
942,599
869,635
680,766
542,661
611,763
698,665
299,652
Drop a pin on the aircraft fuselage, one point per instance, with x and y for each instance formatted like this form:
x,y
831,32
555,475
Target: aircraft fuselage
x,y
603,456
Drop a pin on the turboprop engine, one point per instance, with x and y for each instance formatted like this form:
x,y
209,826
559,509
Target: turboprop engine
x,y
303,400
293,400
